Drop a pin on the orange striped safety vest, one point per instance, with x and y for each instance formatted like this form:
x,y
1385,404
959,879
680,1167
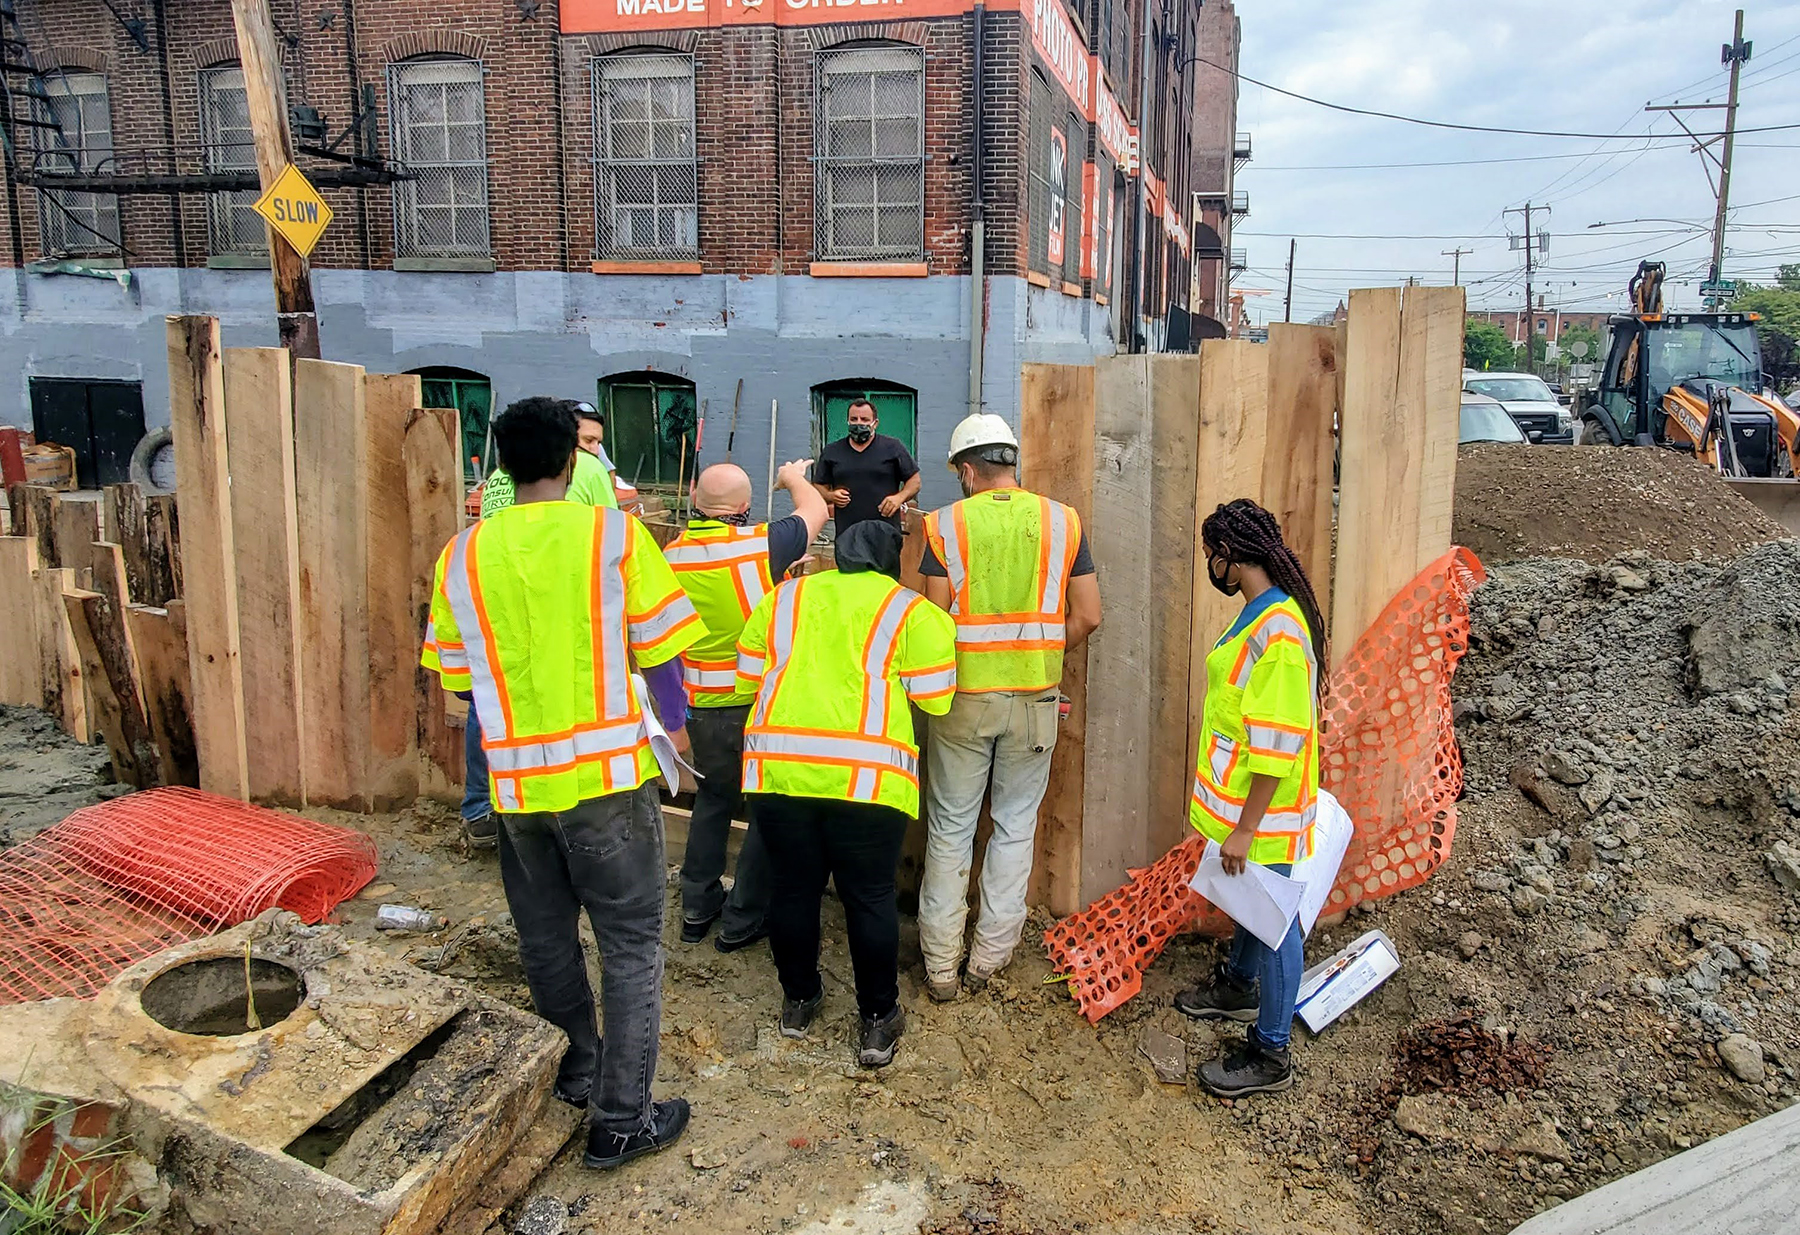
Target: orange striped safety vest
x,y
725,571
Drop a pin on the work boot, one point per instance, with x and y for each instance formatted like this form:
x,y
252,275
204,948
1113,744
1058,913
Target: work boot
x,y
1226,998
693,930
737,943
668,1120
482,833
880,1035
943,990
797,1015
976,977
1250,1068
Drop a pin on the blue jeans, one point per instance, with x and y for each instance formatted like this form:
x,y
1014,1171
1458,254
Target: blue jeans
x,y
1277,969
475,803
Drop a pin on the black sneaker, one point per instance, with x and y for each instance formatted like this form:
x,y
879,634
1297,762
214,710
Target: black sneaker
x,y
737,943
482,833
693,930
1250,1068
880,1035
668,1120
1225,998
797,1015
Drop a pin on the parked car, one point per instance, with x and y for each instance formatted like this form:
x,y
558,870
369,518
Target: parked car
x,y
1530,402
1485,420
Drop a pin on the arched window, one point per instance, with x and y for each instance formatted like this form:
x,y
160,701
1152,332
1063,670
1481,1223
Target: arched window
x,y
472,395
869,152
651,423
233,226
440,135
645,196
74,134
1040,207
896,407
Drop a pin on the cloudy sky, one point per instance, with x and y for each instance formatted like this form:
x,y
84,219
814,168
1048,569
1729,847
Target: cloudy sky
x,y
1569,65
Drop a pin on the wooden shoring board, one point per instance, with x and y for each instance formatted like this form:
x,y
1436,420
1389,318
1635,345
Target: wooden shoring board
x,y
21,682
434,501
1174,525
1234,390
394,703
197,420
332,481
1056,457
77,522
266,540
123,519
34,515
163,533
1304,381
159,638
59,659
1402,371
1115,789
117,711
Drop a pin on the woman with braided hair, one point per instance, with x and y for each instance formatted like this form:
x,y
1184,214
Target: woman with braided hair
x,y
1257,780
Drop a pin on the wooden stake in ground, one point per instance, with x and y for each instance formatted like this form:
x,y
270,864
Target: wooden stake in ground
x,y
390,403
197,420
59,660
159,637
434,507
266,96
111,672
21,684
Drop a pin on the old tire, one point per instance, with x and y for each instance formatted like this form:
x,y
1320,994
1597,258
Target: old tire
x,y
153,462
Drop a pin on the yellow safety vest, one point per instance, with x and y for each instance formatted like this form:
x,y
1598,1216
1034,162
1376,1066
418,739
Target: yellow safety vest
x,y
538,610
1260,719
832,660
725,571
1008,554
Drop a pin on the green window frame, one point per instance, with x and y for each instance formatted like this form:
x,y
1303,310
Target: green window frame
x,y
652,421
896,409
472,395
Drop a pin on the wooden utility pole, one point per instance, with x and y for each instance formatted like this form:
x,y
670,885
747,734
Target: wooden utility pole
x,y
266,93
1531,243
1734,53
1456,268
1287,304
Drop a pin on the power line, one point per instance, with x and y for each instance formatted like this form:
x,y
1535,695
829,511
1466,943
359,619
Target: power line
x,y
1448,124
1527,158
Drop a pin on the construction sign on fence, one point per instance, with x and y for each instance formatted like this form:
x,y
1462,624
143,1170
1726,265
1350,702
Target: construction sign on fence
x,y
295,210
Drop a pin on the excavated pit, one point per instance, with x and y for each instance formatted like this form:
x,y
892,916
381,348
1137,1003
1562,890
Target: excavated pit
x,y
222,997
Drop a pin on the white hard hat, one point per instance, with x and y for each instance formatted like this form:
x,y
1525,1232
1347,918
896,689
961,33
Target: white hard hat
x,y
980,429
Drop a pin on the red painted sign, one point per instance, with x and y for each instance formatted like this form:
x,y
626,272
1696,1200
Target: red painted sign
x,y
626,16
1062,48
1110,124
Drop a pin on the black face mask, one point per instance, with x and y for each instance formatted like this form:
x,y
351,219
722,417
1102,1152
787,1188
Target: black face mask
x,y
1220,581
740,519
861,433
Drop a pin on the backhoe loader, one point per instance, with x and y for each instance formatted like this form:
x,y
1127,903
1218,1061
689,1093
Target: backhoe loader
x,y
1694,382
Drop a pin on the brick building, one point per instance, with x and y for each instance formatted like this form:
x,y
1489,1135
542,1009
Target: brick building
x,y
739,211
1549,323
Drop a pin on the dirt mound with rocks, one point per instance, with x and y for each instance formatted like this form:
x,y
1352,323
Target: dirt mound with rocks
x,y
1594,503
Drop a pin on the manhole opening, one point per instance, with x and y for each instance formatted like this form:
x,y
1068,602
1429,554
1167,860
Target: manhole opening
x,y
214,997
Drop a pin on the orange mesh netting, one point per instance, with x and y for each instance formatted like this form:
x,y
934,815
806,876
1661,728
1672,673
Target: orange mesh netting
x,y
1389,756
117,882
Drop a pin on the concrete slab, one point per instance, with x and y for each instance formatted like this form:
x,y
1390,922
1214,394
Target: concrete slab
x,y
1743,1183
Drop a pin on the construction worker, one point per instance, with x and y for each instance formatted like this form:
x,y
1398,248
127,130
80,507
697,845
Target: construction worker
x,y
592,486
1014,570
1256,782
832,767
726,565
865,474
541,612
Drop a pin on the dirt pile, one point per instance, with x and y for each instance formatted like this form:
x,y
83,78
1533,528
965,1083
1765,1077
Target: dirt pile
x,y
45,774
1593,503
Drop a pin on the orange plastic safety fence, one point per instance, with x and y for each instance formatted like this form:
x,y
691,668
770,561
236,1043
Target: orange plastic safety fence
x,y
1389,756
117,882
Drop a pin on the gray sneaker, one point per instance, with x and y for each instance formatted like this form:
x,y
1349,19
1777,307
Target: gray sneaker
x,y
797,1015
1226,998
1251,1068
482,833
880,1036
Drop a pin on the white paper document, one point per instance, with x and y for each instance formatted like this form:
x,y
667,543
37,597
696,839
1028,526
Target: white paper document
x,y
1264,902
668,759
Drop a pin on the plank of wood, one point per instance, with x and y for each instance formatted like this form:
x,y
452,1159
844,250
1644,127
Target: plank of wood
x,y
1234,392
434,514
77,519
59,659
36,505
1116,799
197,419
1304,376
159,638
162,534
266,544
111,670
332,482
390,401
21,683
1403,368
1056,456
1174,524
123,522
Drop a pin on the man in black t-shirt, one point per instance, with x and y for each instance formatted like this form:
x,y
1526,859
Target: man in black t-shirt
x,y
866,475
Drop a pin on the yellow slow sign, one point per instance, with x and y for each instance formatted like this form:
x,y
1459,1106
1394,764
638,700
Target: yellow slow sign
x,y
295,210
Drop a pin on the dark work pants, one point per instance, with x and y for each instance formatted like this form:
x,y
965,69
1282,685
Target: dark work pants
x,y
856,845
604,856
717,735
